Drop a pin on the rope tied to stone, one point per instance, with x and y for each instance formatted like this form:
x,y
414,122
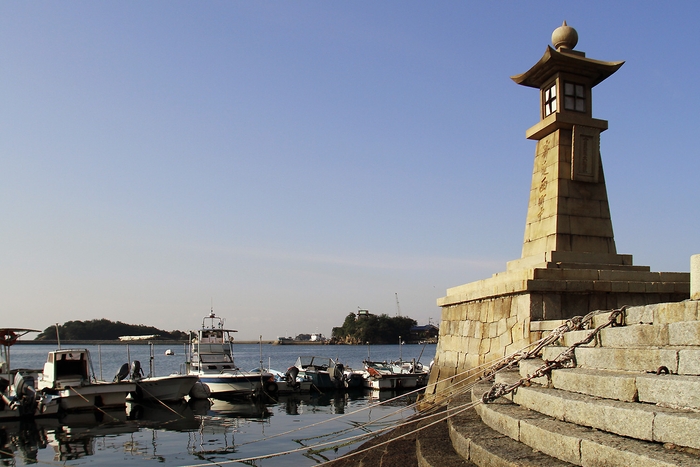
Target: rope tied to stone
x,y
566,359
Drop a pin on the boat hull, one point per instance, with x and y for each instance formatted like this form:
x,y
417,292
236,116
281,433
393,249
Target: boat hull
x,y
91,396
45,406
301,387
400,381
233,385
163,388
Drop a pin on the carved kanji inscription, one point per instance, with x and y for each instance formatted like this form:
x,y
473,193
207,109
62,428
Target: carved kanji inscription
x,y
585,154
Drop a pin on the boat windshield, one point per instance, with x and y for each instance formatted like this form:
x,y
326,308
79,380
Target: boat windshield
x,y
212,337
69,365
311,361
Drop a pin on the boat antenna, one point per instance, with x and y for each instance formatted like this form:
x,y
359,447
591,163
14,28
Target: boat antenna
x,y
261,359
58,337
421,350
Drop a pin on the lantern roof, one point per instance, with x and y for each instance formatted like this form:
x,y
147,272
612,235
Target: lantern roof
x,y
569,61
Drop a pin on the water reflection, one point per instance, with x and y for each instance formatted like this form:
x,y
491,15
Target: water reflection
x,y
334,403
391,398
245,408
172,416
71,436
20,438
214,429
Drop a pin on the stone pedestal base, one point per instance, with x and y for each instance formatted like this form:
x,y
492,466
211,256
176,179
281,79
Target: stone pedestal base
x,y
489,319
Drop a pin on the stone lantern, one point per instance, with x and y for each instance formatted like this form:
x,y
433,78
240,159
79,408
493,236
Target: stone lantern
x,y
569,264
568,210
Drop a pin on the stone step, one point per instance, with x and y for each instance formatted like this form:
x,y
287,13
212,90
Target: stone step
x,y
665,390
658,313
632,419
682,333
434,447
485,447
573,443
635,335
678,360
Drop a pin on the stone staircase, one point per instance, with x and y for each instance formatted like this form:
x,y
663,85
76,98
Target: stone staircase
x,y
633,400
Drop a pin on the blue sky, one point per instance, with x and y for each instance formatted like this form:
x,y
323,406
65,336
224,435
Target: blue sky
x,y
293,161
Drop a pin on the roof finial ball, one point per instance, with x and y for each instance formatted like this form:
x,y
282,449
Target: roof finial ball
x,y
564,37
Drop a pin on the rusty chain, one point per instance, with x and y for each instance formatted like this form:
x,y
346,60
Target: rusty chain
x,y
565,359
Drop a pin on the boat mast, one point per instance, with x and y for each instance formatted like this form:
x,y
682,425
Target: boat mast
x,y
58,337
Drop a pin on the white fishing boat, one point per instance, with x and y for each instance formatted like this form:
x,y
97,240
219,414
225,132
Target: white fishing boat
x,y
19,397
163,388
69,375
211,359
150,387
394,375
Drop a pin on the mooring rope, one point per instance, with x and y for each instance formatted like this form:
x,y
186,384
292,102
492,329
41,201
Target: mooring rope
x,y
95,406
354,439
414,405
161,402
575,323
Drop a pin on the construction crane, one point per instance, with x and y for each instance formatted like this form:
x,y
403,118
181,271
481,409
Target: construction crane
x,y
398,308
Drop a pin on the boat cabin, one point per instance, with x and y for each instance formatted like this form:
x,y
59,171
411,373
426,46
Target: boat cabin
x,y
67,368
212,347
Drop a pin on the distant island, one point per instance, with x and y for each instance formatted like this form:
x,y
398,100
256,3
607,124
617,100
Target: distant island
x,y
367,328
106,330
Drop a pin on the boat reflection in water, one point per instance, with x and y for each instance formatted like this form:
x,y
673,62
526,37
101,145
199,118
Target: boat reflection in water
x,y
391,398
71,437
171,416
21,439
232,408
74,436
172,432
332,403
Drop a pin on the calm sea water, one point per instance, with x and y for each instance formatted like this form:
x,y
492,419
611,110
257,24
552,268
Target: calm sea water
x,y
197,433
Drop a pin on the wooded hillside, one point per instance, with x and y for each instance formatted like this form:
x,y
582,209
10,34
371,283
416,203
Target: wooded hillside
x,y
373,329
104,329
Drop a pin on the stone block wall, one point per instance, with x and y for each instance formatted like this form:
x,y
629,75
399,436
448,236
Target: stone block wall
x,y
695,277
475,333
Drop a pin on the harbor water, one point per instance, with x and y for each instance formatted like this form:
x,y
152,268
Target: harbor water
x,y
295,430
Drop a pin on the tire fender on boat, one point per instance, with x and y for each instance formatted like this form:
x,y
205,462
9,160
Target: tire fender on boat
x,y
271,388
